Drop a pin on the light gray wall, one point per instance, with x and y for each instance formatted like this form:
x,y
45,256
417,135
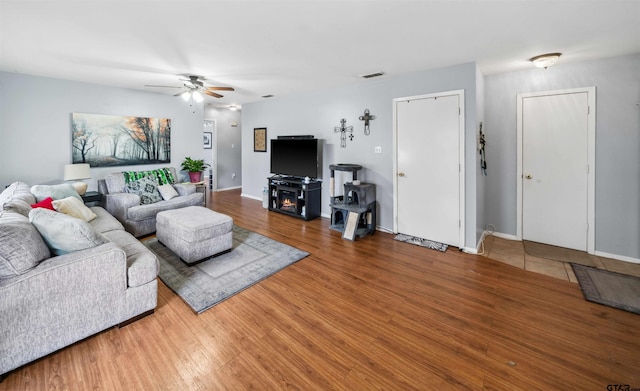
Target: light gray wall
x,y
229,144
617,82
35,124
318,113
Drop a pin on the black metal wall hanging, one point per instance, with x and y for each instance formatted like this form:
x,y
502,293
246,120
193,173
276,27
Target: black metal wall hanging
x,y
344,129
366,118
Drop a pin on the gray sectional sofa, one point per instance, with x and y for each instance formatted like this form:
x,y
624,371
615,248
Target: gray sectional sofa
x,y
51,297
137,217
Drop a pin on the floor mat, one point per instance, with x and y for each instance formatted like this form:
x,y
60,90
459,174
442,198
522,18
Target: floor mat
x,y
422,242
609,288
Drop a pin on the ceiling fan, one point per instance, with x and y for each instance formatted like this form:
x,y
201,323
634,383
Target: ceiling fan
x,y
195,84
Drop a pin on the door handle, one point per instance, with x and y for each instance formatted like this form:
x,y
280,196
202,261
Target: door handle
x,y
401,174
529,176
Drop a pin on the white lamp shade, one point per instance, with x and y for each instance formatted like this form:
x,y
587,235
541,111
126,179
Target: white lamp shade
x,y
76,171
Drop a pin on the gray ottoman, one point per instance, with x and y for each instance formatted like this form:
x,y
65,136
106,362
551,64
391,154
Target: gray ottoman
x,y
194,233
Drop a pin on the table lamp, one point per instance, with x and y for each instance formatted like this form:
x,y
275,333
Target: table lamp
x,y
74,172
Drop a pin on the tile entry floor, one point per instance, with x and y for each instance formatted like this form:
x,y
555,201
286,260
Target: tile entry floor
x,y
512,252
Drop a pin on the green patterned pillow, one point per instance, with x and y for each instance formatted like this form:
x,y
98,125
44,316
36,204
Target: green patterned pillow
x,y
146,188
162,176
166,177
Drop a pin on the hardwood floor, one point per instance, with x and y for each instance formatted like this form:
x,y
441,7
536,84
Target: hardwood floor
x,y
369,314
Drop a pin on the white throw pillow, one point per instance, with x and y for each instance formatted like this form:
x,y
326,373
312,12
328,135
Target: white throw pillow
x,y
64,234
167,192
57,192
73,207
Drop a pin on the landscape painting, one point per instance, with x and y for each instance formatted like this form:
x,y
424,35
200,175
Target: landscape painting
x,y
110,140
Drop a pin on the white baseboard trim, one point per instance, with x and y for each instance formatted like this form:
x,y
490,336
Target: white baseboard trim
x,y
504,236
385,230
249,196
617,257
230,188
478,245
478,249
470,250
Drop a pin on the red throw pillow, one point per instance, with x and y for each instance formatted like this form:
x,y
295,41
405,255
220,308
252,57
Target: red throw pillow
x,y
47,203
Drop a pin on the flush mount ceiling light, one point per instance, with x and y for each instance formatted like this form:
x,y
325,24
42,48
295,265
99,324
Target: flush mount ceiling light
x,y
233,107
545,60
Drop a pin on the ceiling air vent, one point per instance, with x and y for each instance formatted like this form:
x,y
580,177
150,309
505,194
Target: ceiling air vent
x,y
369,76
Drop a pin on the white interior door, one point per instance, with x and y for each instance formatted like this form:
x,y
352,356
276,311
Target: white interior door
x,y
428,160
555,169
209,156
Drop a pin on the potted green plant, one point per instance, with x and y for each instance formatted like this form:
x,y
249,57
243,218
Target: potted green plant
x,y
194,167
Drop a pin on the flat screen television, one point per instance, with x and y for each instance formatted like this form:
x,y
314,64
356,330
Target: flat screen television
x,y
296,157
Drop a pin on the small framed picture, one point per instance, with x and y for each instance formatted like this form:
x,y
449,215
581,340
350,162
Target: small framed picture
x,y
207,140
260,140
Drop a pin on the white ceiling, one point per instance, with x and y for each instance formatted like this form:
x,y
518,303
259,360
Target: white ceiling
x,y
289,47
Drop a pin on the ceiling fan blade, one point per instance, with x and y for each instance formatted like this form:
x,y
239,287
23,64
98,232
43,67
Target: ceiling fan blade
x,y
148,85
179,93
219,88
212,94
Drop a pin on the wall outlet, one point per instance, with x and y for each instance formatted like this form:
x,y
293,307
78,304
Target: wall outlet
x,y
233,146
233,176
378,149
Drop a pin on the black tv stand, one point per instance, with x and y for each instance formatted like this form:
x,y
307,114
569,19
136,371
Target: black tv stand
x,y
296,137
295,197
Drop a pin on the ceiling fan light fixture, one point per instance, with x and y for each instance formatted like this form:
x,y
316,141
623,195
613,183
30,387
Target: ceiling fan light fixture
x,y
545,60
193,89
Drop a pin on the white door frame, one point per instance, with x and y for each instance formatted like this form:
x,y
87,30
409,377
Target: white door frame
x,y
212,151
461,151
591,158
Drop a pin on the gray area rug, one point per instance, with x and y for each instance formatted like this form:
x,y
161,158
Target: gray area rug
x,y
609,288
253,258
422,242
